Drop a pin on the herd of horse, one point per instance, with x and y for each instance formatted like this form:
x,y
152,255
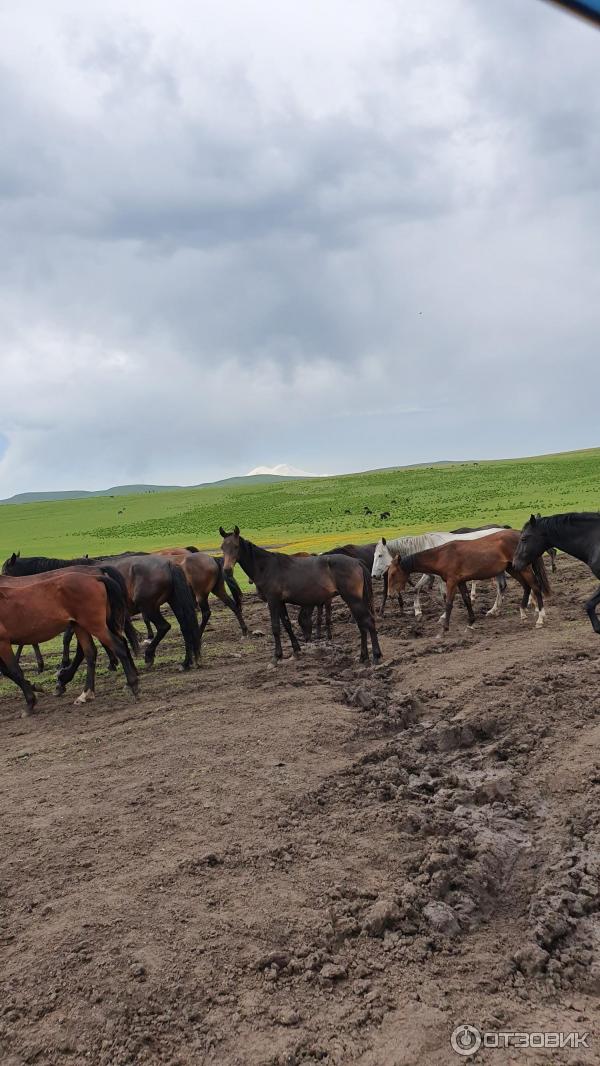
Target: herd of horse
x,y
95,599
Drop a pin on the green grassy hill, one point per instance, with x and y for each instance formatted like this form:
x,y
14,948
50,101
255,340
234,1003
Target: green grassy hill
x,y
309,514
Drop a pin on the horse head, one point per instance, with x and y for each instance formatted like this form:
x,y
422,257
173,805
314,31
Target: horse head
x,y
381,559
532,544
230,547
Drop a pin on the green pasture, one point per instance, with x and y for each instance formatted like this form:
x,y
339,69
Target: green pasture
x,y
312,514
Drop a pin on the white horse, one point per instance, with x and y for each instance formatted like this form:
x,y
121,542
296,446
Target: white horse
x,y
386,550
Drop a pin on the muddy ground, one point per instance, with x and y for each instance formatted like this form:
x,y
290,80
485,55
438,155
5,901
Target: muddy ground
x,y
320,863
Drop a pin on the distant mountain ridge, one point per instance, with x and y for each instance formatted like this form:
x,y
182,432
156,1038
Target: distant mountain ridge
x,y
134,490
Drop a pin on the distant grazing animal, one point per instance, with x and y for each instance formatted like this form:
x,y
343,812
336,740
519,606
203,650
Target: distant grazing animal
x,y
281,579
38,608
368,510
577,533
459,561
384,514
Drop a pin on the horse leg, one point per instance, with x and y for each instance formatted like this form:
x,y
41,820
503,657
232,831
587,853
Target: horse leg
x,y
11,669
219,591
495,608
67,673
417,604
466,598
519,575
552,552
450,594
287,625
473,591
328,630
89,650
38,656
120,648
162,628
385,594
275,612
590,607
206,613
66,654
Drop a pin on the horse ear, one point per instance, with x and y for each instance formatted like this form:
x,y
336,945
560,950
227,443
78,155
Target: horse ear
x,y
222,532
532,520
383,540
236,530
13,559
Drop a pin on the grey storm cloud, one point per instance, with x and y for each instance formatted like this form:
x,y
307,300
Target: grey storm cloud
x,y
338,236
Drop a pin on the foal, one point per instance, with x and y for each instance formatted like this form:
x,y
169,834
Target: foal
x,y
307,582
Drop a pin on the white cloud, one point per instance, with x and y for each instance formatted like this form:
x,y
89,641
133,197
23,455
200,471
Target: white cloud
x,y
343,234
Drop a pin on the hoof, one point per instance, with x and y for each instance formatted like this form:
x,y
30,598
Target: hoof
x,y
28,711
86,697
59,690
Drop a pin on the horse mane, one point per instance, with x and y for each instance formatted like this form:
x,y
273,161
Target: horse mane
x,y
406,546
556,523
120,555
40,564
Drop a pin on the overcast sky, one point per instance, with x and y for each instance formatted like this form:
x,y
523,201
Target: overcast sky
x,y
336,234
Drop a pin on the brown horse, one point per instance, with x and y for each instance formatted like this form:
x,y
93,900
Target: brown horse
x,y
39,608
150,581
460,561
281,579
205,575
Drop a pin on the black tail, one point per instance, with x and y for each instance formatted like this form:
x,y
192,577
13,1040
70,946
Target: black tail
x,y
128,627
184,607
541,575
117,605
232,585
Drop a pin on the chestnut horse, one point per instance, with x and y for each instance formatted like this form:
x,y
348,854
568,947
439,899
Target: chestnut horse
x,y
307,582
205,575
472,560
38,608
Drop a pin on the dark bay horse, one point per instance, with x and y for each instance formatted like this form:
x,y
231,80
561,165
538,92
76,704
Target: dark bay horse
x,y
577,533
458,562
38,608
150,581
307,582
365,553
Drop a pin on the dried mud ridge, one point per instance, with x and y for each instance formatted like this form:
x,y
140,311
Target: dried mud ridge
x,y
319,863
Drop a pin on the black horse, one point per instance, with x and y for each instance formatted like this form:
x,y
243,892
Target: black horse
x,y
316,579
577,533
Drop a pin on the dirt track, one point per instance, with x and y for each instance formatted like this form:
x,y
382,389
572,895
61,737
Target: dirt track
x,y
323,863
